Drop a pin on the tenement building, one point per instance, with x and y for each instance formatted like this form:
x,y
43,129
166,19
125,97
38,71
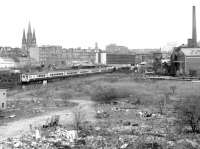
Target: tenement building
x,y
56,55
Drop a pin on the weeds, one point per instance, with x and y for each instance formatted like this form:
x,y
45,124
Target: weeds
x,y
79,117
189,113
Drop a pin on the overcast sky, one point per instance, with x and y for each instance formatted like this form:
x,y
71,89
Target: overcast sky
x,y
81,23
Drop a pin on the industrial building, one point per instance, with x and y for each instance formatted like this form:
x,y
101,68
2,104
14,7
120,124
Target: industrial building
x,y
146,55
114,59
185,59
114,48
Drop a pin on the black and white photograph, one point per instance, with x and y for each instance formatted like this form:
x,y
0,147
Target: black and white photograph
x,y
100,74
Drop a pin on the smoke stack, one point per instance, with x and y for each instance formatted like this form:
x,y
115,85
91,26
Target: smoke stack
x,y
194,30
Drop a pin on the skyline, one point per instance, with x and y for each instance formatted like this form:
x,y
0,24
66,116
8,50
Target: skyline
x,y
71,24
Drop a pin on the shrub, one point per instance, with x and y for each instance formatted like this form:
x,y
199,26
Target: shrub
x,y
193,73
108,93
103,94
189,113
66,95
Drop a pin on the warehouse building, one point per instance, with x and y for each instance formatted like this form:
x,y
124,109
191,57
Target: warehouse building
x,y
7,63
185,61
115,59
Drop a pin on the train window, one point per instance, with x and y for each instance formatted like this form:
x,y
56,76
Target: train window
x,y
41,75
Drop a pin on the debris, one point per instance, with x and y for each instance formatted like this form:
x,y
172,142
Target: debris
x,y
56,138
192,143
101,115
124,146
37,134
53,121
80,142
12,116
114,102
127,123
17,144
135,124
97,128
145,114
71,135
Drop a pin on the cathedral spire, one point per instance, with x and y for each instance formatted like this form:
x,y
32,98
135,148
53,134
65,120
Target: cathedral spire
x,y
29,36
24,37
34,37
29,28
29,39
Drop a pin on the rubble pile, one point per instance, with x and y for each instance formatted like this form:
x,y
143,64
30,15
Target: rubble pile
x,y
118,126
57,138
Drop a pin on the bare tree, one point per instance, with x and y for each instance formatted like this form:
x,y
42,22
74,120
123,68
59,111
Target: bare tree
x,y
79,118
173,89
161,106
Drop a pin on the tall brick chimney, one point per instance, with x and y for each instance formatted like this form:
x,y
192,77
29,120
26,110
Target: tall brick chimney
x,y
194,30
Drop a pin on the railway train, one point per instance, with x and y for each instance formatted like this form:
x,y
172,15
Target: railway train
x,y
31,77
11,78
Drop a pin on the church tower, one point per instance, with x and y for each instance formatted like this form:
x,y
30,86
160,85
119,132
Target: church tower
x,y
24,40
29,36
29,39
34,38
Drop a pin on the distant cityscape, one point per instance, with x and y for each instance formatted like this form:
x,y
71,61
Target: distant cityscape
x,y
33,55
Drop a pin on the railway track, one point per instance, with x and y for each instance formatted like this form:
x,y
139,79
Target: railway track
x,y
182,78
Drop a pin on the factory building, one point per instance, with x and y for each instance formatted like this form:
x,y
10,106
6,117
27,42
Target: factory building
x,y
185,61
114,59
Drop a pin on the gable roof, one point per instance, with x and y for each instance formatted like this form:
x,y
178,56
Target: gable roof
x,y
191,51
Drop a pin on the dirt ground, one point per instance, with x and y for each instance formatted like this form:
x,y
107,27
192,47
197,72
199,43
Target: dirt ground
x,y
66,116
135,113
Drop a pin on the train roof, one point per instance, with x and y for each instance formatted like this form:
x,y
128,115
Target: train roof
x,y
56,71
9,70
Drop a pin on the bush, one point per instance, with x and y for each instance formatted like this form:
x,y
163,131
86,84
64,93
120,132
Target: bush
x,y
189,113
108,93
65,95
193,73
173,89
